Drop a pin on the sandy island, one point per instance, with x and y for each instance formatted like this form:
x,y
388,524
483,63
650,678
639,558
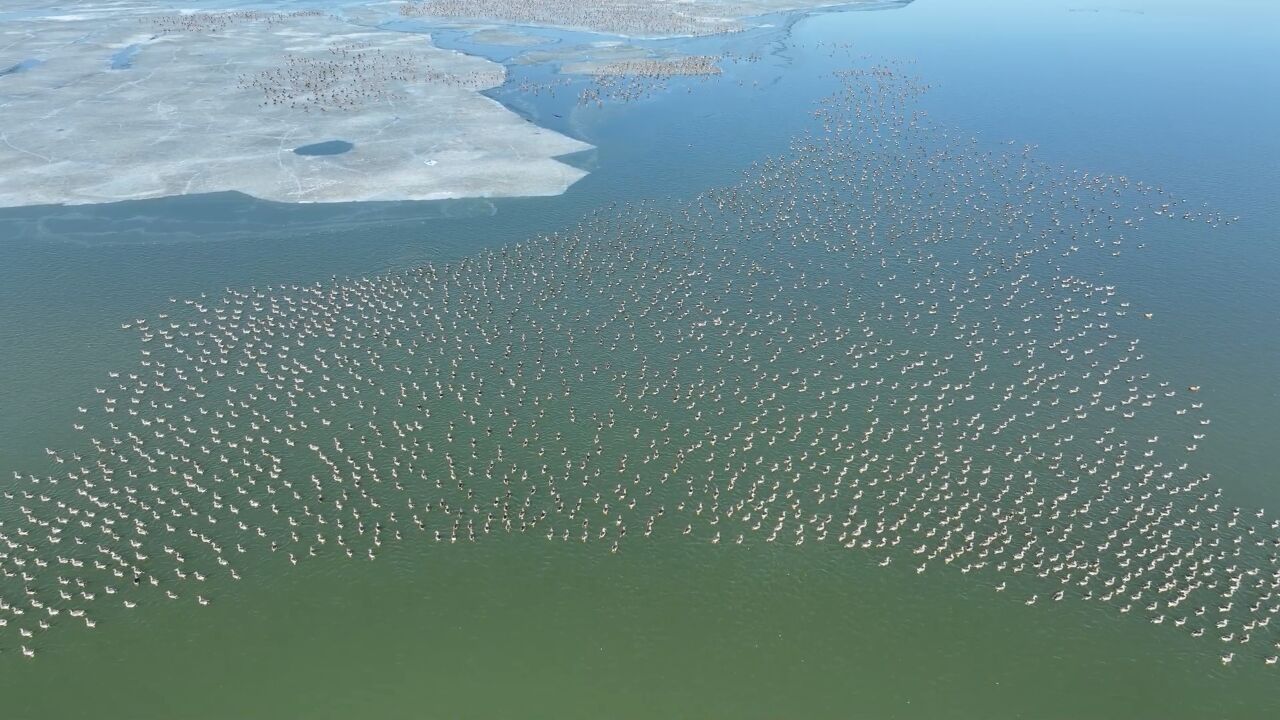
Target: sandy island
x,y
156,105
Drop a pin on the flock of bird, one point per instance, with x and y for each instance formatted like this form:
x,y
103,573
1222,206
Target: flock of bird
x,y
214,22
662,68
888,338
354,77
629,80
622,81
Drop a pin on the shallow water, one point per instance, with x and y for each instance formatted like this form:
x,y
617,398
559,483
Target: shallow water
x,y
519,626
122,59
328,147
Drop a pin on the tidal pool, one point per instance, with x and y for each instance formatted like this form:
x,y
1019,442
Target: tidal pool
x,y
328,147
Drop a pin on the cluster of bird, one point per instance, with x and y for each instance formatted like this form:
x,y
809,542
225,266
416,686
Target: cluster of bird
x,y
649,18
213,22
662,67
535,88
353,77
630,80
889,338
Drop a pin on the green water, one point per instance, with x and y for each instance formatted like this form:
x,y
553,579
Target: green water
x,y
516,626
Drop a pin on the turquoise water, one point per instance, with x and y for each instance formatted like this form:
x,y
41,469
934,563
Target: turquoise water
x,y
523,628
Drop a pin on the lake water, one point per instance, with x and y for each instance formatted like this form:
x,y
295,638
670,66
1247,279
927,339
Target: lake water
x,y
1182,95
